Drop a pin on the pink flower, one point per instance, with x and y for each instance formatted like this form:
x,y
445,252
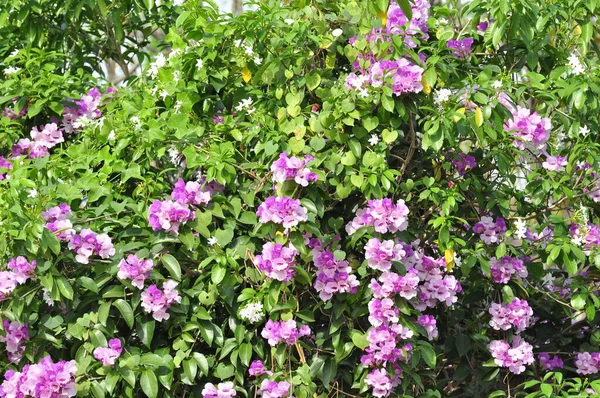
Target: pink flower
x,y
429,323
15,338
282,210
257,368
191,193
518,314
158,302
379,381
168,215
502,270
272,389
87,244
22,269
515,356
333,276
283,331
223,390
529,129
8,283
276,261
292,168
382,214
587,363
135,269
109,355
555,163
380,255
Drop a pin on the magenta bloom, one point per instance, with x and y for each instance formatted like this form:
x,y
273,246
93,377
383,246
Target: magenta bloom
x,y
555,163
398,23
490,231
333,276
276,261
168,215
391,283
380,255
44,379
518,314
464,163
284,331
4,164
223,390
382,214
529,129
8,283
460,48
87,243
109,355
587,363
15,338
282,210
85,110
502,270
257,368
293,168
429,323
272,389
135,269
383,345
191,193
158,302
383,311
550,363
57,221
379,381
483,25
49,136
22,269
587,236
514,357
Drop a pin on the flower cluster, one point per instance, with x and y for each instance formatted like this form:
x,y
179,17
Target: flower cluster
x,y
380,382
6,165
381,214
223,390
8,283
168,215
518,314
401,76
276,261
109,355
430,325
460,48
416,26
529,129
42,380
391,283
550,363
436,286
282,210
11,114
22,269
490,231
284,331
586,236
191,193
16,335
333,276
502,270
158,302
515,356
257,368
383,345
252,312
135,269
555,163
293,168
383,311
380,254
273,389
87,243
42,139
587,363
463,163
57,221
85,110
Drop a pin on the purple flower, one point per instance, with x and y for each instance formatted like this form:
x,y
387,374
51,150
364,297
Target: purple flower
x,y
109,355
4,164
87,243
383,345
286,168
44,379
272,389
380,255
391,283
158,302
587,363
333,276
529,129
282,210
502,270
490,231
257,368
429,323
398,24
135,269
550,363
22,269
168,215
518,314
555,163
191,193
464,163
8,283
514,357
460,48
223,390
483,25
15,338
283,331
586,236
379,381
383,311
382,214
49,136
276,261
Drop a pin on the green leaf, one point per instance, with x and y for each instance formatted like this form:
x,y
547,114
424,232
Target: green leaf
x,y
88,283
313,81
65,287
428,355
389,136
245,353
360,340
217,274
149,383
125,310
172,265
406,8
463,344
370,123
329,371
145,331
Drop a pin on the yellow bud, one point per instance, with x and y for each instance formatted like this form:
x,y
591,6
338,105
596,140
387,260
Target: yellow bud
x,y
383,16
457,117
246,75
426,87
449,256
478,117
578,30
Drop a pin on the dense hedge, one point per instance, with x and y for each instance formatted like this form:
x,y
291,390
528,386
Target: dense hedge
x,y
312,199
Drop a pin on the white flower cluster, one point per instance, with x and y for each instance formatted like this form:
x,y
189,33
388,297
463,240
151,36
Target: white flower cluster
x,y
442,95
158,63
252,312
577,68
245,105
249,50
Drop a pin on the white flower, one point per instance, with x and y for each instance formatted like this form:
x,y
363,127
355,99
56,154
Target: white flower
x,y
177,107
174,155
111,135
164,94
497,84
137,124
577,68
252,312
289,21
212,241
442,95
457,260
158,63
14,53
257,60
176,77
520,228
337,32
584,131
11,70
32,193
245,104
548,280
174,53
178,3
47,298
199,63
374,139
442,21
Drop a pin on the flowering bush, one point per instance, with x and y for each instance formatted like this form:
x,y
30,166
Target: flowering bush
x,y
377,198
